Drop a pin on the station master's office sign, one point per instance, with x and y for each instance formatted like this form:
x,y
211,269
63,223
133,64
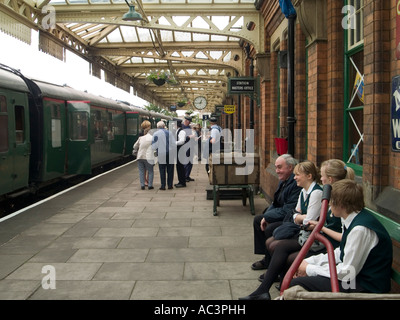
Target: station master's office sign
x,y
249,86
395,114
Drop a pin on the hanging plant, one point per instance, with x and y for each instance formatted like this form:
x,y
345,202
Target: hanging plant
x,y
182,102
159,78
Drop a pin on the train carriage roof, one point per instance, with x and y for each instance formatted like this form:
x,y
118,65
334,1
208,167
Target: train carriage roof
x,y
9,80
67,93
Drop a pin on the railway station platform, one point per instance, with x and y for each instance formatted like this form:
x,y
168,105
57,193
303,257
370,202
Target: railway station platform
x,y
108,239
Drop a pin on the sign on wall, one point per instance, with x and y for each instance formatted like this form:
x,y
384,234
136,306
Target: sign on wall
x,y
229,109
395,114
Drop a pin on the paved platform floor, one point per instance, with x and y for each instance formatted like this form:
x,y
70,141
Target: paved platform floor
x,y
107,239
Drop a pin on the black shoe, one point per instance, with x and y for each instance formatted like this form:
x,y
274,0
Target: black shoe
x,y
261,278
142,188
263,296
151,188
189,179
179,185
171,187
259,265
162,188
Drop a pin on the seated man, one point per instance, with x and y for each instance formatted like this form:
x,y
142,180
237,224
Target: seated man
x,y
285,200
364,257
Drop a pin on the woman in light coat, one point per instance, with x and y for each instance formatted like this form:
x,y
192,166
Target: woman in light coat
x,y
145,155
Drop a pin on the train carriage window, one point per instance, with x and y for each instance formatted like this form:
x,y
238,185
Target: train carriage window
x,y
78,125
119,124
3,125
19,124
132,125
98,125
110,127
3,133
3,104
55,126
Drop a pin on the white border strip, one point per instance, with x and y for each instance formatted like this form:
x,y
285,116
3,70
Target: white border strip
x,y
62,192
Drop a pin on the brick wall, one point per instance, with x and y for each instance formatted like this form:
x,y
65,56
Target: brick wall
x,y
377,96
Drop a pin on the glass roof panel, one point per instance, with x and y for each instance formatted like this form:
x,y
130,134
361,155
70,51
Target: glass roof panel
x,y
172,1
99,1
200,23
129,34
201,37
167,35
182,36
115,36
144,35
180,20
218,38
220,22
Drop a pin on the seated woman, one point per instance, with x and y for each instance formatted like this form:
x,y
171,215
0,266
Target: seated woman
x,y
332,170
308,208
364,257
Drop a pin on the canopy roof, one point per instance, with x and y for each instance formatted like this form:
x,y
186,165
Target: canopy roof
x,y
199,41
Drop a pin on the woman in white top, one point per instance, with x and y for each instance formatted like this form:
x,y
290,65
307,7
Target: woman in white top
x,y
145,155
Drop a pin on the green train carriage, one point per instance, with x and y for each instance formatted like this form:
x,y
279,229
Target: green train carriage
x,y
49,131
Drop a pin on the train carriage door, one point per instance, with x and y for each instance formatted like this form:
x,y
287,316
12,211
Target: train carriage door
x,y
15,141
78,148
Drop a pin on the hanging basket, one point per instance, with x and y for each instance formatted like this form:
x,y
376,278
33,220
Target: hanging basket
x,y
159,82
281,145
181,104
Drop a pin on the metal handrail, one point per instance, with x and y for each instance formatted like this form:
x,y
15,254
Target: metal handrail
x,y
315,235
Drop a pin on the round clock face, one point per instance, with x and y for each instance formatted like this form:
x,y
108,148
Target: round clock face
x,y
200,102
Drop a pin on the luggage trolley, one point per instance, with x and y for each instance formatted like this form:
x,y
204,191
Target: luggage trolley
x,y
315,235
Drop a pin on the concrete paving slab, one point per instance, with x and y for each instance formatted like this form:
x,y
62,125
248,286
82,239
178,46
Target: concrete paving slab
x,y
86,290
182,290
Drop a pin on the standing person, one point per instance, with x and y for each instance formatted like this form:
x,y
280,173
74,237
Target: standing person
x,y
214,141
197,129
364,257
190,152
161,144
308,208
182,138
285,200
145,155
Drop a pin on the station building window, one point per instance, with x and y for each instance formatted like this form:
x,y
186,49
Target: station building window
x,y
354,85
3,124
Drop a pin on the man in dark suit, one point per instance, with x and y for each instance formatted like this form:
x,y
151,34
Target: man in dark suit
x,y
285,200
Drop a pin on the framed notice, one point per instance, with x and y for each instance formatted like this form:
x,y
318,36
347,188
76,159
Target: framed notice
x,y
395,114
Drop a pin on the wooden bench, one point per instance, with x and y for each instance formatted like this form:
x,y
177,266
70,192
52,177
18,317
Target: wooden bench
x,y
247,191
227,173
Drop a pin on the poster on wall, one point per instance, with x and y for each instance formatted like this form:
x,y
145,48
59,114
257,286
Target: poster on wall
x,y
395,114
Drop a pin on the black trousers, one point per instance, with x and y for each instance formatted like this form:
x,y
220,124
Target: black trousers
x,y
323,284
180,170
261,236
